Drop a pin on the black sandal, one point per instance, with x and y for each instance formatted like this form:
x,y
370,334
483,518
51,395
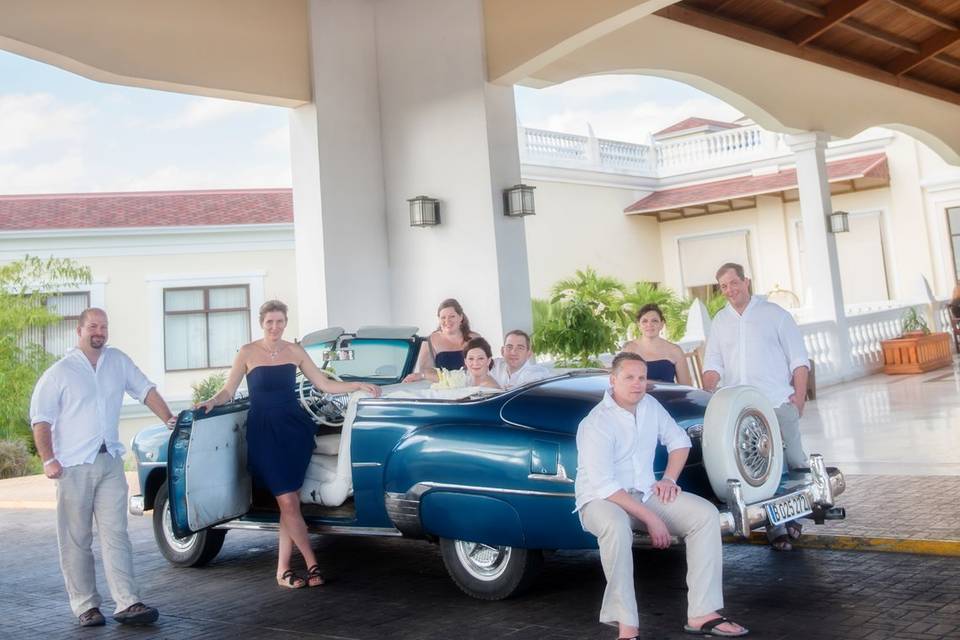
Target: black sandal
x,y
313,573
290,580
709,628
781,543
794,529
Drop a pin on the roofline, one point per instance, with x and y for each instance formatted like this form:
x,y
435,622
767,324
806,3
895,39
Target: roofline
x,y
135,194
56,232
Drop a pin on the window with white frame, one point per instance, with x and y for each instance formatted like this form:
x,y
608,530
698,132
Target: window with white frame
x,y
953,224
203,327
61,335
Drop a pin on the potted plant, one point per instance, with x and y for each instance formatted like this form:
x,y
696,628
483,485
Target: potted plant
x,y
917,349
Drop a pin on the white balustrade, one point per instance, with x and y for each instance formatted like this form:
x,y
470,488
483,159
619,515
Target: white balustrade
x,y
710,149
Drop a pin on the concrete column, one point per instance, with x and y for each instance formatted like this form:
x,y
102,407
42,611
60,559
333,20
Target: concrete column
x,y
449,134
340,224
821,268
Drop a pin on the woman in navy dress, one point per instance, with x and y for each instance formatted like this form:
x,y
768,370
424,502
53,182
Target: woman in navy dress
x,y
665,360
443,349
279,432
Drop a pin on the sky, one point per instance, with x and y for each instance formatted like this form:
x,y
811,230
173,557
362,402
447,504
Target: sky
x,y
63,133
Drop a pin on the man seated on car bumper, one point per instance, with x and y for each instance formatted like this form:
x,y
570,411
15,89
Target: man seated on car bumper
x,y
617,493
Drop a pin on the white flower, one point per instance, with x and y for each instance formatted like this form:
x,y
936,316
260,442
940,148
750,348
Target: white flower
x,y
456,379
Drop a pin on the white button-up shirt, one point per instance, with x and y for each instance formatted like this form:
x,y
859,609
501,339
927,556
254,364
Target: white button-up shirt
x,y
82,404
762,347
615,448
529,372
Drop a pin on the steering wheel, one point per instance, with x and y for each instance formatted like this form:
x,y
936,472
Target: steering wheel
x,y
318,403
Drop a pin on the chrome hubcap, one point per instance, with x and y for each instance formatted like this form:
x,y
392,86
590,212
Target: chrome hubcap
x,y
180,545
482,561
754,447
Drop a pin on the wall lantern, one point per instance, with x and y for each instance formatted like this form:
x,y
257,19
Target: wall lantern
x,y
518,201
424,211
839,222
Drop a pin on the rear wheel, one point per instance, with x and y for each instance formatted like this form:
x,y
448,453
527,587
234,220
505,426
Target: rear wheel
x,y
490,572
194,550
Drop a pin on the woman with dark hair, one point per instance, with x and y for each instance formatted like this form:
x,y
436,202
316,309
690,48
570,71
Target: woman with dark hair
x,y
478,358
665,360
279,433
443,349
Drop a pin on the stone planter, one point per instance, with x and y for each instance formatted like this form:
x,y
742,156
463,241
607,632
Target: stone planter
x,y
916,353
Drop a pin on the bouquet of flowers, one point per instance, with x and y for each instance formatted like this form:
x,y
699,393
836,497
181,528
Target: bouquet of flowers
x,y
456,379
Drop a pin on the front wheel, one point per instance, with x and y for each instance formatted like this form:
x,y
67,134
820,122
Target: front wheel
x,y
490,572
195,550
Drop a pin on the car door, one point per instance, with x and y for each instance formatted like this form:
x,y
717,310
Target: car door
x,y
207,475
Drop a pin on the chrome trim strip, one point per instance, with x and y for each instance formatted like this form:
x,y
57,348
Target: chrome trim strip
x,y
361,465
465,487
312,528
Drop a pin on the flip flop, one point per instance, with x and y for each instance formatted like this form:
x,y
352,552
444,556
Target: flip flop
x,y
781,543
709,628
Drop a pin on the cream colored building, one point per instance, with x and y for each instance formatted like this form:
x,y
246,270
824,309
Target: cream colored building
x,y
180,274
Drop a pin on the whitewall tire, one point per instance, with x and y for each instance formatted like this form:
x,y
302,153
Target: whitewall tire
x,y
741,441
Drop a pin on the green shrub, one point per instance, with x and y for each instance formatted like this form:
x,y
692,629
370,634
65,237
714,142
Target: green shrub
x,y
15,459
207,388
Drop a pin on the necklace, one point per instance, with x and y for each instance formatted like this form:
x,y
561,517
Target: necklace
x,y
272,352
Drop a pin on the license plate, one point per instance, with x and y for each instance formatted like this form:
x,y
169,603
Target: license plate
x,y
788,508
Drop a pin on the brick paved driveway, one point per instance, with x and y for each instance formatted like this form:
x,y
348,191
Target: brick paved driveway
x,y
380,588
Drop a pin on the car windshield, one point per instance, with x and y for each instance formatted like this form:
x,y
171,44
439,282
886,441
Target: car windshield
x,y
378,360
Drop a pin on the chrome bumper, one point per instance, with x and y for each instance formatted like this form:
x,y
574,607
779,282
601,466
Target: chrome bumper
x,y
741,518
136,505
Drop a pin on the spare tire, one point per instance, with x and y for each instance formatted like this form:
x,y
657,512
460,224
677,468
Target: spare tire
x,y
741,441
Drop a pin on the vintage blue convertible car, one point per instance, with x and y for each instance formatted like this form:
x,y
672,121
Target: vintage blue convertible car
x,y
487,475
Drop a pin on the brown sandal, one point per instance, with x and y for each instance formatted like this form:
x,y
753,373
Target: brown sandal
x,y
314,578
289,580
781,543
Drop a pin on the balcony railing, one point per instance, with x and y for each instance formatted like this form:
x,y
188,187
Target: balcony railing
x,y
538,146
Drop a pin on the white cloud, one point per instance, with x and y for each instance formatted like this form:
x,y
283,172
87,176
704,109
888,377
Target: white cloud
x,y
202,111
172,178
26,120
276,140
633,123
67,174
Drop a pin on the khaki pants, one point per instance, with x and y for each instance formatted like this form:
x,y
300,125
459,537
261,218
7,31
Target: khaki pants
x,y
86,492
795,457
690,517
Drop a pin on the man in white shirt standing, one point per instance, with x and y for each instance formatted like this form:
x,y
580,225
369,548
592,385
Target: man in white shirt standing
x,y
516,368
617,492
756,342
75,413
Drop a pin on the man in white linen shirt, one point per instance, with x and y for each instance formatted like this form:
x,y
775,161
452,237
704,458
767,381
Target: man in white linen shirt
x,y
617,492
75,413
516,368
756,342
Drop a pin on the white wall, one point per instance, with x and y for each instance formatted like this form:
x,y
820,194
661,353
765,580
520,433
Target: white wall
x,y
578,226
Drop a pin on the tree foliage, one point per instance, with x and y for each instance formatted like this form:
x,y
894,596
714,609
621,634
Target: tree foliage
x,y
25,286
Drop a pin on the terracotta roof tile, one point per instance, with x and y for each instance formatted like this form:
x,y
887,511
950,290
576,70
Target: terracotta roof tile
x,y
693,123
872,166
146,209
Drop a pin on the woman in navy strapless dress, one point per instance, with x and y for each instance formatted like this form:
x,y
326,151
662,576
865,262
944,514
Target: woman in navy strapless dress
x,y
443,349
666,361
279,432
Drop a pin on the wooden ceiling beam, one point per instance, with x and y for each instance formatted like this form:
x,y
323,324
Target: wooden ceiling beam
x,y
928,48
921,12
804,7
723,5
950,61
870,31
810,27
757,36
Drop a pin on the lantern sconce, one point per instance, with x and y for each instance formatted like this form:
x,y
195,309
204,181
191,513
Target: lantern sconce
x,y
518,201
424,211
839,222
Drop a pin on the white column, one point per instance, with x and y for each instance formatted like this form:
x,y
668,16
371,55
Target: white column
x,y
821,267
449,134
340,223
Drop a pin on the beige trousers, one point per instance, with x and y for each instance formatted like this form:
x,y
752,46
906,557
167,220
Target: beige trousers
x,y
789,418
690,517
86,492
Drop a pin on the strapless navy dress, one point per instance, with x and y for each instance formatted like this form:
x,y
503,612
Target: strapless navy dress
x,y
279,432
661,371
448,360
